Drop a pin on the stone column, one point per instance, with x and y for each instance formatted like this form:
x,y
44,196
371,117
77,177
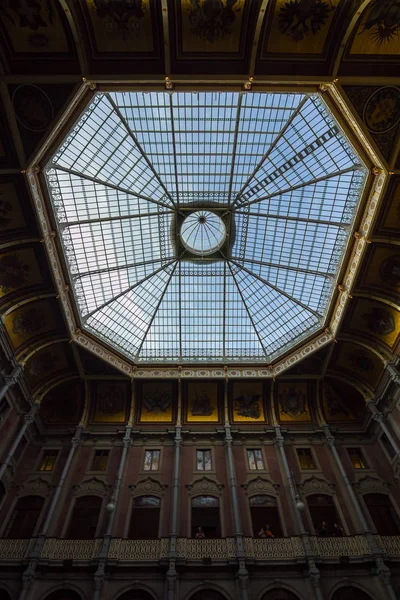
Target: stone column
x,y
173,532
99,575
29,573
242,573
171,573
382,570
356,505
10,380
379,418
28,419
313,570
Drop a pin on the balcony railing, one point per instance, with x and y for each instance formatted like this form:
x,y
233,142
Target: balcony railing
x,y
55,549
138,550
273,548
215,550
334,547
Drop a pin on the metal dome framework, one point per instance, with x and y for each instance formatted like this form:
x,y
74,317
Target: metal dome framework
x,y
275,167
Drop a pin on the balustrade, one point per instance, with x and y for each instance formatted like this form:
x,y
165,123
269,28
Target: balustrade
x,y
55,549
334,547
218,549
138,550
14,549
273,548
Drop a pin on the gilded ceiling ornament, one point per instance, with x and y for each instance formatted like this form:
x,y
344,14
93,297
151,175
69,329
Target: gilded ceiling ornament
x,y
383,21
13,272
301,18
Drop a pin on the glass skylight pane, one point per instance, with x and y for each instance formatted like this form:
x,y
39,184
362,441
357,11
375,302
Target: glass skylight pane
x,y
125,321
202,310
310,289
262,118
84,199
96,288
162,342
148,115
94,246
273,169
309,246
333,199
241,339
312,147
277,319
108,153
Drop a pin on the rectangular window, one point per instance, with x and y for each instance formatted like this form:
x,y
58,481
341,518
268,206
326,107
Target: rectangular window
x,y
203,460
152,460
100,460
255,460
357,458
387,445
48,460
306,459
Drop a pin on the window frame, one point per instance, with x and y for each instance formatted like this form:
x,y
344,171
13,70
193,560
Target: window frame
x,y
204,449
131,507
317,467
92,458
66,524
160,448
41,459
252,449
363,457
6,525
151,449
390,459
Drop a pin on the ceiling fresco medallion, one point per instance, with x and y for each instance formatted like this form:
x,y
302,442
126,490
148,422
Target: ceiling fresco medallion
x,y
207,227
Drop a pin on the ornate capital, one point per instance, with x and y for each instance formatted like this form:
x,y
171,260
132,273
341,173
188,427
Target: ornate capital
x,y
29,418
12,378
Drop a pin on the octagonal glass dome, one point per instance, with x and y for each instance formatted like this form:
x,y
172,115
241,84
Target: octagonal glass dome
x,y
279,183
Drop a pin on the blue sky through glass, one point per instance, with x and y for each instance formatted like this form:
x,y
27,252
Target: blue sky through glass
x,y
275,168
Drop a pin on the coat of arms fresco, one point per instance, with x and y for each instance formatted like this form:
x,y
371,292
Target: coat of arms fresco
x,y
293,401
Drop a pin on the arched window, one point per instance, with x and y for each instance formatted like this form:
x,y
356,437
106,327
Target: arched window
x,y
382,514
264,511
322,508
350,593
207,595
279,594
84,518
64,595
205,514
136,595
145,518
25,517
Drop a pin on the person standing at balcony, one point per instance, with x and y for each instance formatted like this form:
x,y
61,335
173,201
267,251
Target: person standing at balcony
x,y
268,532
261,533
200,533
323,531
337,530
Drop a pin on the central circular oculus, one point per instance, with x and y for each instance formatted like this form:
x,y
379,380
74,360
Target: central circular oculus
x,y
203,232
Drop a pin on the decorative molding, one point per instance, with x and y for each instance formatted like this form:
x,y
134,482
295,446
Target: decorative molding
x,y
372,485
316,485
205,486
261,485
147,487
91,486
36,487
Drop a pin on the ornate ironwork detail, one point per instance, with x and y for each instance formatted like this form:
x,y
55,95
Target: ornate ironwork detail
x,y
55,549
